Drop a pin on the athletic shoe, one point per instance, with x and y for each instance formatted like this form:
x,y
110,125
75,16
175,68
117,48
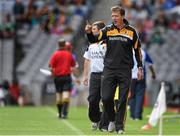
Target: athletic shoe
x,y
58,115
120,131
94,126
103,130
111,127
137,119
63,116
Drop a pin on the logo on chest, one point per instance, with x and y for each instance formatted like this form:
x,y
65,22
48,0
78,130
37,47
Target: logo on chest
x,y
97,55
123,39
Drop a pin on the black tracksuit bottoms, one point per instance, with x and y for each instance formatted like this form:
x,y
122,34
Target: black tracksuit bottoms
x,y
94,97
111,78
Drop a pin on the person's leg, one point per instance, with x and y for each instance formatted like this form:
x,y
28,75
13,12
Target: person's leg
x,y
59,103
67,84
65,103
104,121
57,82
139,99
108,90
132,101
124,81
94,97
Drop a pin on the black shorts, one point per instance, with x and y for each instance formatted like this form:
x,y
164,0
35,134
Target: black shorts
x,y
63,83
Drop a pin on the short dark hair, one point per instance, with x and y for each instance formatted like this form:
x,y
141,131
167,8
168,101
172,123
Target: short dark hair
x,y
61,43
119,9
99,24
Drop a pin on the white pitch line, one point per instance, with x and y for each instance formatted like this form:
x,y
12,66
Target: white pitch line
x,y
168,116
79,132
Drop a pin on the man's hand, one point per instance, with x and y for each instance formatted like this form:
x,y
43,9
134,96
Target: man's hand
x,y
52,71
154,76
140,73
77,81
151,68
85,81
88,27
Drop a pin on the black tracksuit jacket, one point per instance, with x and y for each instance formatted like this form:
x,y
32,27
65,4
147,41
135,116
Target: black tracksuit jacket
x,y
120,43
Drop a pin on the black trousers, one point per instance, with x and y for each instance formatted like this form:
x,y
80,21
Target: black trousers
x,y
94,97
112,78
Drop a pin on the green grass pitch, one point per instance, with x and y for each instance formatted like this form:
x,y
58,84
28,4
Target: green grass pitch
x,y
43,121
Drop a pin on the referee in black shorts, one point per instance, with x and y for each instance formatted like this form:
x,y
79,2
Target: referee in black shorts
x,y
121,38
61,63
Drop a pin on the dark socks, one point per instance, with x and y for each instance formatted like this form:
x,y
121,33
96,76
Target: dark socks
x,y
65,109
59,107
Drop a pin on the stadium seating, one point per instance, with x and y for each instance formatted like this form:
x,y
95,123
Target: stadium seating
x,y
166,57
39,47
167,66
6,58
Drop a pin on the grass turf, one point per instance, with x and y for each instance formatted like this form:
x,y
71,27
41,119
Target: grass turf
x,y
43,121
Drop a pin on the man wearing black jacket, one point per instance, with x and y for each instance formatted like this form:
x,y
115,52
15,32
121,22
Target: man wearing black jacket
x,y
121,38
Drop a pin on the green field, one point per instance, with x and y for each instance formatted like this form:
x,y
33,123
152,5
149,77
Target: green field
x,y
43,121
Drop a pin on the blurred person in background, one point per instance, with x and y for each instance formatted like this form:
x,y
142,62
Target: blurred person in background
x,y
69,47
161,20
141,31
14,90
94,58
30,14
24,98
75,73
6,93
138,87
18,11
148,24
121,40
60,64
173,24
2,98
7,27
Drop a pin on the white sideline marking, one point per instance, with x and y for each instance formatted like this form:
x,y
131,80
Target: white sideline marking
x,y
168,116
79,132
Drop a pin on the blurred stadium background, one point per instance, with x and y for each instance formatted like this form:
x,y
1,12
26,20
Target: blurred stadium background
x,y
29,32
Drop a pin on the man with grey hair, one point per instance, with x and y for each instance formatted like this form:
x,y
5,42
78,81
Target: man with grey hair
x,y
121,39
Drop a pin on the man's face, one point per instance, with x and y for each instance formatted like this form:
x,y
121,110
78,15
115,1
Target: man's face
x,y
18,1
95,30
117,18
